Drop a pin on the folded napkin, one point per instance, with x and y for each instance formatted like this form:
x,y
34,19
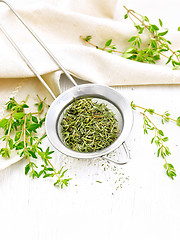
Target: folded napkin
x,y
60,23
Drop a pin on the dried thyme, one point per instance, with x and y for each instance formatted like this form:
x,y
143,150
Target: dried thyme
x,y
88,126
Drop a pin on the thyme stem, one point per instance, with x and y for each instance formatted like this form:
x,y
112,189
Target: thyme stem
x,y
100,48
20,133
156,47
156,133
133,13
158,138
160,115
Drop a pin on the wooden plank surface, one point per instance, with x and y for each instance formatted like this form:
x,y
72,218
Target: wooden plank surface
x,y
134,201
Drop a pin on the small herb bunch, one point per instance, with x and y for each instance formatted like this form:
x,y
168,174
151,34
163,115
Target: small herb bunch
x,y
88,126
156,47
159,139
20,135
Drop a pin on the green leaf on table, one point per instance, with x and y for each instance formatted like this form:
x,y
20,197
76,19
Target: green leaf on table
x,y
32,154
154,27
178,121
132,39
25,106
34,119
5,152
20,145
163,33
87,38
145,18
3,122
160,22
19,115
17,135
161,132
150,110
27,168
126,16
40,107
108,43
33,127
165,139
11,145
169,59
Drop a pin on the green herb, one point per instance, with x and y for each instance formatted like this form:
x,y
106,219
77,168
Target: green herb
x,y
150,52
108,46
98,181
88,126
159,139
165,116
87,38
157,45
20,135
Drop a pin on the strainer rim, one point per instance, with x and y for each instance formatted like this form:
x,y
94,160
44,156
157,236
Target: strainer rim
x,y
94,90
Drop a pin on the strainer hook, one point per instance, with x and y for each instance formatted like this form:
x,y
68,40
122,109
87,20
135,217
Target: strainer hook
x,y
116,161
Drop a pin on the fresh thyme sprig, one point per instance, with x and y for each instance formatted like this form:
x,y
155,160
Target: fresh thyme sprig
x,y
20,135
151,51
165,116
157,44
159,139
108,46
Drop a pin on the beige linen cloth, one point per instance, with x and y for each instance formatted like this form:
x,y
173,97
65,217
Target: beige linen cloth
x,y
60,23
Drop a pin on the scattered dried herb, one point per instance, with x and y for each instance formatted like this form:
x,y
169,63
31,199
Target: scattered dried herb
x,y
88,126
20,135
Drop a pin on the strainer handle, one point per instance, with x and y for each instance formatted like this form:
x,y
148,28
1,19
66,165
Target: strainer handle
x,y
42,44
127,156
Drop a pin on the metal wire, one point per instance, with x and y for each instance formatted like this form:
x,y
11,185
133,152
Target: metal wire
x,y
42,44
27,61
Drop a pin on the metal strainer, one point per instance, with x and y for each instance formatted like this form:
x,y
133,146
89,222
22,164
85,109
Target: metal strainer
x,y
114,101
